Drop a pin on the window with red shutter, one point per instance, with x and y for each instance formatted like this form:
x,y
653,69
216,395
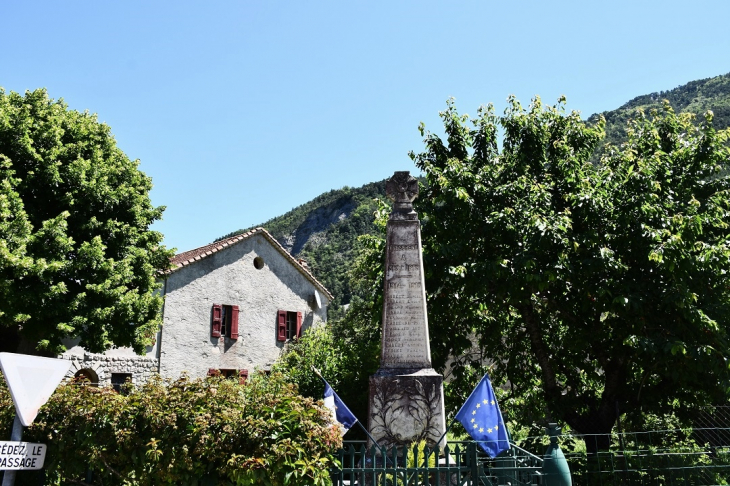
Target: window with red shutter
x,y
288,325
234,322
242,376
281,326
215,328
224,321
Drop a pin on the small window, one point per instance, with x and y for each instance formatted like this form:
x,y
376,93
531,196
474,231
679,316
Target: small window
x,y
258,263
289,325
118,381
224,321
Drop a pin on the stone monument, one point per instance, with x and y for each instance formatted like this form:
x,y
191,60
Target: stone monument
x,y
406,393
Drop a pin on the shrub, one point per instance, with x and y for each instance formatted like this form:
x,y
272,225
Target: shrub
x,y
215,430
346,364
319,348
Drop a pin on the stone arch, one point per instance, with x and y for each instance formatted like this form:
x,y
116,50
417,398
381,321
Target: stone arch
x,y
95,367
87,374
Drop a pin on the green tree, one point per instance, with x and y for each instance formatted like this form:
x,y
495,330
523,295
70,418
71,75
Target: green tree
x,y
592,288
347,350
317,348
77,257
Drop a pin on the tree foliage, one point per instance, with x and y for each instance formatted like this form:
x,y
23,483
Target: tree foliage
x,y
592,288
317,348
77,257
697,97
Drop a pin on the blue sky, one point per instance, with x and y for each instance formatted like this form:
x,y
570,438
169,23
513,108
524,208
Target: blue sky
x,y
242,110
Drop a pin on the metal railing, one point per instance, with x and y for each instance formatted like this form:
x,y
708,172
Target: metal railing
x,y
660,457
459,463
698,456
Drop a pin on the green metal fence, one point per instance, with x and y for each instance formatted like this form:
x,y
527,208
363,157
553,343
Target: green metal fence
x,y
459,463
699,456
664,457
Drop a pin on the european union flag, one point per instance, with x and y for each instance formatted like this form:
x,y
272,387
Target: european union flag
x,y
481,417
339,410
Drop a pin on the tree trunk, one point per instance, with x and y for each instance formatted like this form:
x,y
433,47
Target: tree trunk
x,y
596,429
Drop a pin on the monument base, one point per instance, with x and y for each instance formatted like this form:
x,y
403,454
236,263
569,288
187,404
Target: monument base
x,y
407,406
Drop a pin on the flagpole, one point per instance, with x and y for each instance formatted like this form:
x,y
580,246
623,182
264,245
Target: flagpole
x,y
316,372
449,427
446,431
368,433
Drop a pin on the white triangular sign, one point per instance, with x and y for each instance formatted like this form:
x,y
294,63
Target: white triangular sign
x,y
32,380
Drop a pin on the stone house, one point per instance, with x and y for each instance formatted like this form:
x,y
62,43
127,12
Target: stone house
x,y
230,307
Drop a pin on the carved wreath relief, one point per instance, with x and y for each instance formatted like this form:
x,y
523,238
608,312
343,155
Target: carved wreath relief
x,y
405,411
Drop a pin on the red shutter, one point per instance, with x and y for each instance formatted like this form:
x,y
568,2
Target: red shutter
x,y
299,324
213,372
281,326
234,322
242,376
215,329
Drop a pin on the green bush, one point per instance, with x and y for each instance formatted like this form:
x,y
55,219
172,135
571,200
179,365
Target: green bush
x,y
319,348
187,432
345,363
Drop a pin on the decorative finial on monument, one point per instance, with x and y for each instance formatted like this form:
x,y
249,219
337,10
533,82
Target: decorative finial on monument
x,y
402,189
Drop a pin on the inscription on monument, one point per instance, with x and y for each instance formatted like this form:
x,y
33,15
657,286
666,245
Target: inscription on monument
x,y
405,325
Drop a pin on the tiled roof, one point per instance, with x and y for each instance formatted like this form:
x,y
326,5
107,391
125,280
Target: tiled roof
x,y
191,256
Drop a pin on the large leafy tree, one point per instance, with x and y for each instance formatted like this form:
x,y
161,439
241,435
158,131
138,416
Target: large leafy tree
x,y
77,257
593,289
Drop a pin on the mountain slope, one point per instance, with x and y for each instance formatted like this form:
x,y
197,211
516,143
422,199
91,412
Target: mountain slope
x,y
694,97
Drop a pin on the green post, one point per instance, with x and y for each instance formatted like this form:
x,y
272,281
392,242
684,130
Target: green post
x,y
555,468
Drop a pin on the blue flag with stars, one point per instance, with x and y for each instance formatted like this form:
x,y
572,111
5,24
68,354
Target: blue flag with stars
x,y
481,417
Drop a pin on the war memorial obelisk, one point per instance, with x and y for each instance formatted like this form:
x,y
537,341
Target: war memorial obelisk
x,y
406,393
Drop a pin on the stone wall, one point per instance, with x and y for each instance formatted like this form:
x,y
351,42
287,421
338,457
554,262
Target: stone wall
x,y
140,367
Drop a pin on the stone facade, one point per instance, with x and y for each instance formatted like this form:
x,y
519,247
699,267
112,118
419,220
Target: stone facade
x,y
252,273
231,276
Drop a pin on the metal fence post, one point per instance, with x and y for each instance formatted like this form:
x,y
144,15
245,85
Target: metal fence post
x,y
16,435
555,468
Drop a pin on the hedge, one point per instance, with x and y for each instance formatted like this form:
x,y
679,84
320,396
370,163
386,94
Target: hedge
x,y
186,432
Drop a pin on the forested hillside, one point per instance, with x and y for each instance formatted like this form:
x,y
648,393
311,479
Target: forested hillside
x,y
694,97
324,230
